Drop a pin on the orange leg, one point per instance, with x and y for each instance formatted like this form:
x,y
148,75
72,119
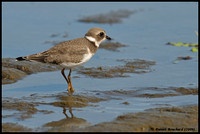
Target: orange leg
x,y
70,83
70,88
63,73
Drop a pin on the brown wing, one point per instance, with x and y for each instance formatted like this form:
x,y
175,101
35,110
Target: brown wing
x,y
68,51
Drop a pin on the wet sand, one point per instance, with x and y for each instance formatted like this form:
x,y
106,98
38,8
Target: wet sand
x,y
13,70
163,119
175,119
110,17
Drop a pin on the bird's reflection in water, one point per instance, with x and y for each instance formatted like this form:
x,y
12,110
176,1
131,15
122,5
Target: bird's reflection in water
x,y
70,111
67,104
69,122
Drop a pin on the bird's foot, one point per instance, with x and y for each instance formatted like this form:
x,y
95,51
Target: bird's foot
x,y
70,90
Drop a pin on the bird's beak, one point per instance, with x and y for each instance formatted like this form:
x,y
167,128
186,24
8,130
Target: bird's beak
x,y
108,38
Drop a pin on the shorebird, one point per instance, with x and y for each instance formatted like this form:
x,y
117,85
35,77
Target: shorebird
x,y
71,53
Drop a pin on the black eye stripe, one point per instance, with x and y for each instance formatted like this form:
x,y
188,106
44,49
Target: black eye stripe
x,y
101,34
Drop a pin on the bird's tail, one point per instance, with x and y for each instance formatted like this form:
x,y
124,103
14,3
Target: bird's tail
x,y
20,58
40,57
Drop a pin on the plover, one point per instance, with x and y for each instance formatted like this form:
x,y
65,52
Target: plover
x,y
72,53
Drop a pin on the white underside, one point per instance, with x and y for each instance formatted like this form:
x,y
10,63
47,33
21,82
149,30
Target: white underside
x,y
86,58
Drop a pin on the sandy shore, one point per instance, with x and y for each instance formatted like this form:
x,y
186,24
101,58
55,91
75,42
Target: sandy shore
x,y
162,119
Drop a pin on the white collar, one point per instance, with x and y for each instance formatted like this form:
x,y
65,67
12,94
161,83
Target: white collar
x,y
90,38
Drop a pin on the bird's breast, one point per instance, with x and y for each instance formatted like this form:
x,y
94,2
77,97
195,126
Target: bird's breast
x,y
86,57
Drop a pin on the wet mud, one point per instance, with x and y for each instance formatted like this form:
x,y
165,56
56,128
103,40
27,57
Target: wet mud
x,y
152,92
66,125
13,70
178,119
14,127
175,119
24,109
130,66
170,118
112,46
75,101
110,17
26,106
11,75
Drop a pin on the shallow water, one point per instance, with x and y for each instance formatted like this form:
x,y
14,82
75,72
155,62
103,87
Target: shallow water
x,y
26,26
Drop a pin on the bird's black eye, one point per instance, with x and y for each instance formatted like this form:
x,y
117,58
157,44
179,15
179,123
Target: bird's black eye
x,y
101,34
